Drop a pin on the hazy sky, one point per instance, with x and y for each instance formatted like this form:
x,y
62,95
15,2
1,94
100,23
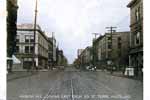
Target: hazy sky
x,y
74,21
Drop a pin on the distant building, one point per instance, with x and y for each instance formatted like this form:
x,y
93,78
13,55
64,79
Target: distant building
x,y
87,55
117,51
61,59
136,36
85,58
79,51
51,52
54,49
25,46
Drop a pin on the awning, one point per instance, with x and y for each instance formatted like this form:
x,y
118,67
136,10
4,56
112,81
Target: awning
x,y
15,59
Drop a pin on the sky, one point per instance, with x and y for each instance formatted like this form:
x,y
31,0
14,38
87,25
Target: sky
x,y
74,21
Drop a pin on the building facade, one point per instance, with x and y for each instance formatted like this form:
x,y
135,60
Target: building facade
x,y
136,36
85,58
61,59
12,8
79,52
25,50
114,50
51,52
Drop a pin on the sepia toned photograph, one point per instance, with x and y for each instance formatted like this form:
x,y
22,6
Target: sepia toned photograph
x,y
74,50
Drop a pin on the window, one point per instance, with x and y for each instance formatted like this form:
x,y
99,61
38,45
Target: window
x,y
17,39
109,54
119,38
26,49
31,49
119,54
109,38
119,45
137,38
32,39
27,39
109,45
137,13
17,49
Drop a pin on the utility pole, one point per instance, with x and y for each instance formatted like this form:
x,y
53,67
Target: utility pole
x,y
34,43
111,29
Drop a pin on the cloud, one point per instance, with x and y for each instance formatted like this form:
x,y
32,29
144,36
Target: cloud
x,y
74,21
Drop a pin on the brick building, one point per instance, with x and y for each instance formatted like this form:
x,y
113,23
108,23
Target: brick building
x,y
12,8
136,36
25,46
117,51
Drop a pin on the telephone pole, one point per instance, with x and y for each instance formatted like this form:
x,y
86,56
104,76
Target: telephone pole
x,y
34,43
111,29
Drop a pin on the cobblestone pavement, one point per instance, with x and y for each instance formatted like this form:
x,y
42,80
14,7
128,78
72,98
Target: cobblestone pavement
x,y
72,84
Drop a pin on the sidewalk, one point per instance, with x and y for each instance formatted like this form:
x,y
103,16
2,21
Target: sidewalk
x,y
19,74
120,74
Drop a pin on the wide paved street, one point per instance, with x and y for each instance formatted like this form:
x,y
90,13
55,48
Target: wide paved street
x,y
73,84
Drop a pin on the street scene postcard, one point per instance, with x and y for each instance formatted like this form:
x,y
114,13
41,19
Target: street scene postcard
x,y
74,49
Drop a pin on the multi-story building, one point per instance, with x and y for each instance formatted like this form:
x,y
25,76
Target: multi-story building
x,y
88,56
51,52
79,51
136,36
61,59
12,8
114,50
85,58
25,46
54,49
